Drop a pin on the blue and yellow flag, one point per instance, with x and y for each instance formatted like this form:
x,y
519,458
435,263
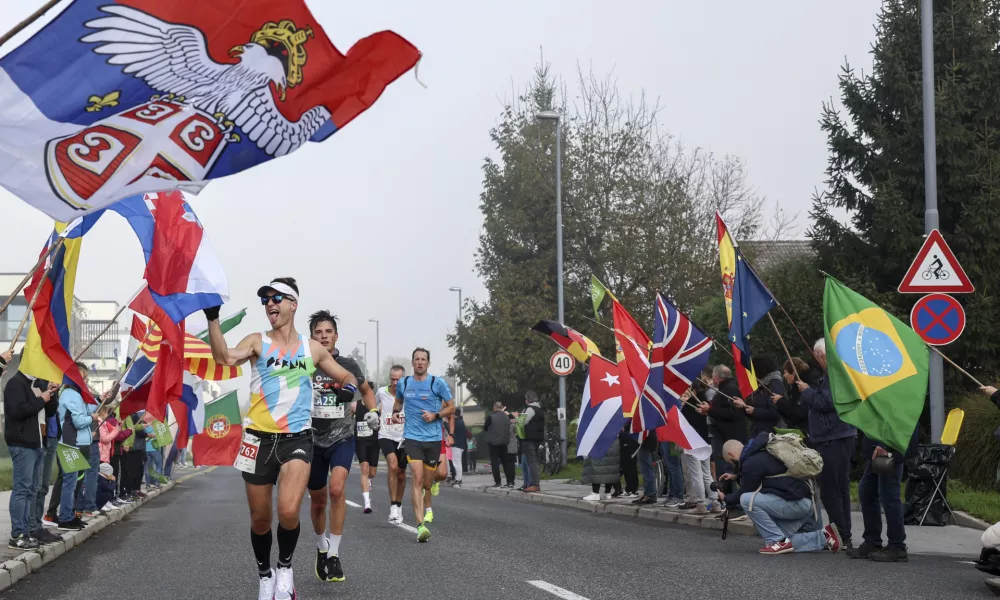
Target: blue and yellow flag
x,y
47,349
877,366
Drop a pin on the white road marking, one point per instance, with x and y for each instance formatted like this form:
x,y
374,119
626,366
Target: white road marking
x,y
557,591
966,562
409,528
354,504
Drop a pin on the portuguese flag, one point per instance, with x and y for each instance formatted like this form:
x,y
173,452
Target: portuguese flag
x,y
219,442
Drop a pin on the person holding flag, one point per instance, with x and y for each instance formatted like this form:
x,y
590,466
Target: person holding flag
x,y
278,439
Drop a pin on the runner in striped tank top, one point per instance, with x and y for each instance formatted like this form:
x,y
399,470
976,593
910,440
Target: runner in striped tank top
x,y
278,438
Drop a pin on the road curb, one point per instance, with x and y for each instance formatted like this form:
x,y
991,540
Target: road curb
x,y
648,513
24,564
958,517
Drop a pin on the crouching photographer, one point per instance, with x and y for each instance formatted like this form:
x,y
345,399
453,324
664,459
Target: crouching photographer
x,y
779,505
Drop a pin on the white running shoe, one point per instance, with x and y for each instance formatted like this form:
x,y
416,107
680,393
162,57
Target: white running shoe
x,y
592,497
266,588
284,589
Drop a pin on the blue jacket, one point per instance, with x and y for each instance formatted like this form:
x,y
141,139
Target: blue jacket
x,y
75,416
758,468
824,422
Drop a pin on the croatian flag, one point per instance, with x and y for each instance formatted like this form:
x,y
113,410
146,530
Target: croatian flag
x,y
601,417
114,98
182,269
680,352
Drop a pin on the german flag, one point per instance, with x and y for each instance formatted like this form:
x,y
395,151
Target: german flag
x,y
570,340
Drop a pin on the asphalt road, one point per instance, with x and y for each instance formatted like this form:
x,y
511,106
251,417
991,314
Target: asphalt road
x,y
194,543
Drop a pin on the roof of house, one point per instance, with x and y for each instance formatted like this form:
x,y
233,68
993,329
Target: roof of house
x,y
768,254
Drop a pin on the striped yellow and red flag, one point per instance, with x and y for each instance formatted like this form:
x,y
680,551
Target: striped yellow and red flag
x,y
197,356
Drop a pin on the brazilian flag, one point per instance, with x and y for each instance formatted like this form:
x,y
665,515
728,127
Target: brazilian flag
x,y
877,366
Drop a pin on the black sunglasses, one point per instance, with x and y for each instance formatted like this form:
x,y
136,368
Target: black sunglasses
x,y
276,297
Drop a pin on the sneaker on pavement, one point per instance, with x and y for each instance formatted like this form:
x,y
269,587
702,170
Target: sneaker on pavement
x,y
92,514
532,489
284,586
832,537
392,514
435,488
687,506
672,503
335,571
592,497
864,551
74,524
322,565
510,486
48,521
44,536
22,542
368,510
423,534
889,555
428,515
266,588
458,483
699,509
780,547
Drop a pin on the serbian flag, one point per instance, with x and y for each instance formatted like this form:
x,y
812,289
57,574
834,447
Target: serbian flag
x,y
601,417
114,98
47,348
219,441
570,340
680,352
633,357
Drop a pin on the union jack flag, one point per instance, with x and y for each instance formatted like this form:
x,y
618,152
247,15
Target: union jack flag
x,y
680,352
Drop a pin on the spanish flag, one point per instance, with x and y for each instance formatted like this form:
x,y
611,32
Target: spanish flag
x,y
198,358
728,256
47,350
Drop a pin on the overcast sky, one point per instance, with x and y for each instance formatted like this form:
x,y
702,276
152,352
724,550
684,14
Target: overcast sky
x,y
382,218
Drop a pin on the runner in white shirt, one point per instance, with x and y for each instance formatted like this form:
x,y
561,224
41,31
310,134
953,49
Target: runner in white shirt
x,y
390,440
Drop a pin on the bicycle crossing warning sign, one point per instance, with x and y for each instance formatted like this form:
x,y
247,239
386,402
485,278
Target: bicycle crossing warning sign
x,y
935,270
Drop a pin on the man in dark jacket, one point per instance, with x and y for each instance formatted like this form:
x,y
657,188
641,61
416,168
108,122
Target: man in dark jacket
x,y
760,409
728,422
835,441
50,441
878,493
459,445
23,402
497,427
532,420
780,507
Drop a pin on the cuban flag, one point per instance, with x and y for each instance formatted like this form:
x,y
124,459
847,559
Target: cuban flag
x,y
114,98
680,352
601,418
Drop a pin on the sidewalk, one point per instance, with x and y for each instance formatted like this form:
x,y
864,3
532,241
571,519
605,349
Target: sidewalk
x,y
951,540
15,565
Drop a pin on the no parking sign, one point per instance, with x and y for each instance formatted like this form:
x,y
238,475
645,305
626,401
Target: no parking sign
x,y
938,319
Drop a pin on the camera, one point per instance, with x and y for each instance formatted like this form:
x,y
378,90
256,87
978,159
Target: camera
x,y
727,488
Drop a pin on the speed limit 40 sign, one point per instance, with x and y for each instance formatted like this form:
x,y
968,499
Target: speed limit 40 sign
x,y
562,363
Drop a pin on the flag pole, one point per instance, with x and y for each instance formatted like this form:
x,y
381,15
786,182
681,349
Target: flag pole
x,y
110,323
960,369
31,19
27,278
785,347
135,355
31,305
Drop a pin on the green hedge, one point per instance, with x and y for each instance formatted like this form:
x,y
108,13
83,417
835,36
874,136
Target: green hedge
x,y
977,452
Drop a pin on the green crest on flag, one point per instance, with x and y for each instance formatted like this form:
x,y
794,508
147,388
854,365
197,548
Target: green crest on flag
x,y
877,366
221,415
71,459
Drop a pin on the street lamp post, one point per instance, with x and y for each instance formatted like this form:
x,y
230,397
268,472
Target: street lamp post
x,y
365,344
458,385
378,354
552,115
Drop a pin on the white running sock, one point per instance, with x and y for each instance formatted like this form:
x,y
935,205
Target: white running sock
x,y
427,510
334,544
322,543
368,499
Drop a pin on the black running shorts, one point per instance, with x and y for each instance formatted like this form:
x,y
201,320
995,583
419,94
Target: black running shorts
x,y
274,450
428,453
367,450
393,447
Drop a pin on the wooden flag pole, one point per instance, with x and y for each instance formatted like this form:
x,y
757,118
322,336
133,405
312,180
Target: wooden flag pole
x,y
27,278
110,323
31,19
31,305
960,369
782,340
795,327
